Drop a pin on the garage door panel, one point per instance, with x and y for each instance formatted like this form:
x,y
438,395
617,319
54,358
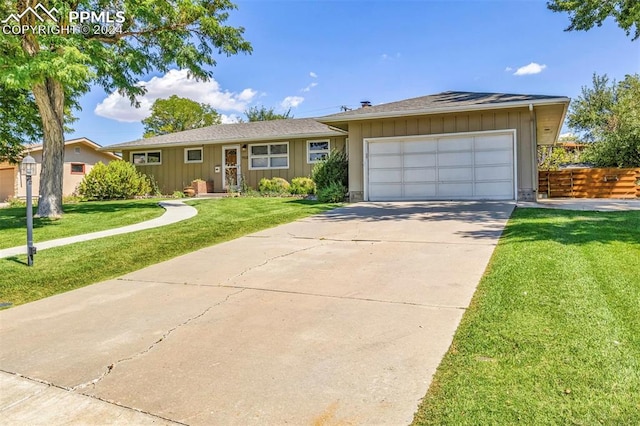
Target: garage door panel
x,y
379,192
455,174
385,175
415,147
457,144
493,157
455,189
384,148
472,166
420,191
494,173
385,161
500,142
455,159
495,190
420,175
420,160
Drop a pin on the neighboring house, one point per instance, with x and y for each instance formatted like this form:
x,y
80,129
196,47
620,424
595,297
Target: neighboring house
x,y
447,146
80,155
227,155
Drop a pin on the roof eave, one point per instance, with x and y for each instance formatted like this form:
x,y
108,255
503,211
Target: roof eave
x,y
224,141
444,110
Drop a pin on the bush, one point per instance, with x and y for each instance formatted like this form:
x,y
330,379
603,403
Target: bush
x,y
276,185
116,180
334,193
333,169
302,186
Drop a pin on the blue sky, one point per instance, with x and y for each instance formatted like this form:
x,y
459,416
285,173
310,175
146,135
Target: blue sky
x,y
316,56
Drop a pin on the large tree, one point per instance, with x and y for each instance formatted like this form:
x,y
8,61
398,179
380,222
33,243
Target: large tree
x,y
19,123
609,116
585,14
263,113
59,66
176,114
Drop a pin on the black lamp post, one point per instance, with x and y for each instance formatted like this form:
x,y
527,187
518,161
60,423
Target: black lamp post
x,y
29,169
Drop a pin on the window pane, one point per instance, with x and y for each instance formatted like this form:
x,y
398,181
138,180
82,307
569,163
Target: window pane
x,y
153,157
317,156
260,162
279,149
279,162
259,150
194,155
77,168
139,158
318,146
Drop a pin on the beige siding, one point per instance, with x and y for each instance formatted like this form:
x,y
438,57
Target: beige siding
x,y
516,118
8,175
87,156
174,174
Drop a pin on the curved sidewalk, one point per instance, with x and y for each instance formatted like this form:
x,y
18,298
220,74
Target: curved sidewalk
x,y
176,211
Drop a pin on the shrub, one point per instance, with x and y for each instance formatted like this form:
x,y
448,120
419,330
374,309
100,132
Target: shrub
x,y
116,180
333,169
276,185
302,186
334,193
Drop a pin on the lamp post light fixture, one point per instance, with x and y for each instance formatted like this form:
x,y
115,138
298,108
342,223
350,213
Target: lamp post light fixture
x,y
29,169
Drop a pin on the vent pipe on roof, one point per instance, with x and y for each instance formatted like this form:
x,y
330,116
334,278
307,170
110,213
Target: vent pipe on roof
x,y
365,104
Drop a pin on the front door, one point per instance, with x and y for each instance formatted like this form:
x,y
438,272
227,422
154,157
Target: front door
x,y
231,173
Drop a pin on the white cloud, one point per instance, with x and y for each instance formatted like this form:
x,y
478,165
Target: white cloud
x,y
291,102
313,75
507,69
386,57
309,87
532,68
229,119
175,82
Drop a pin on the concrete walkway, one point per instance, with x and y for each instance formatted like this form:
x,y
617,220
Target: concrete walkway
x,y
339,318
175,211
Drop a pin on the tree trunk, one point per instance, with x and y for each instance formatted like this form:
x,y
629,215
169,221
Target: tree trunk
x,y
49,97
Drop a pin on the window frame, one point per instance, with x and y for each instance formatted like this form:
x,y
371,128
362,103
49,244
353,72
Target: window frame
x,y
269,156
309,151
186,155
146,156
84,169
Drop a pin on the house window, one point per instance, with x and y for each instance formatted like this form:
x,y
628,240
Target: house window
x,y
77,169
317,151
149,157
193,155
76,150
269,156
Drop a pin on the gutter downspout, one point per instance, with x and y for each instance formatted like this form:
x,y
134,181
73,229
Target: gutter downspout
x,y
534,153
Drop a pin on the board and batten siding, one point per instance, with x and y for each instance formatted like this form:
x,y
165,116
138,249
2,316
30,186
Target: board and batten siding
x,y
174,174
515,118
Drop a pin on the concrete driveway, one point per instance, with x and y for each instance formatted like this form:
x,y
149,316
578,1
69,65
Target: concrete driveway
x,y
340,318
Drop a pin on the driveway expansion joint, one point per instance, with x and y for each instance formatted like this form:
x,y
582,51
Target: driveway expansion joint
x,y
71,390
112,366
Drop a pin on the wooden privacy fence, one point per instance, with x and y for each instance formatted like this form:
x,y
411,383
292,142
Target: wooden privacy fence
x,y
590,183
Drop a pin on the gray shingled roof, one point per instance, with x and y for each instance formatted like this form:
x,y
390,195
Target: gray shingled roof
x,y
439,101
237,132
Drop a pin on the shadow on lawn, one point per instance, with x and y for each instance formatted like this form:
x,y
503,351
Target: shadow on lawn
x,y
15,217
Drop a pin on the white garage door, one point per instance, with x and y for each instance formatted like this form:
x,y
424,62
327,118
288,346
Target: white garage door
x,y
476,166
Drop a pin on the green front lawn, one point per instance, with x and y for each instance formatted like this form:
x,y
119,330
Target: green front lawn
x,y
79,218
552,335
65,268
